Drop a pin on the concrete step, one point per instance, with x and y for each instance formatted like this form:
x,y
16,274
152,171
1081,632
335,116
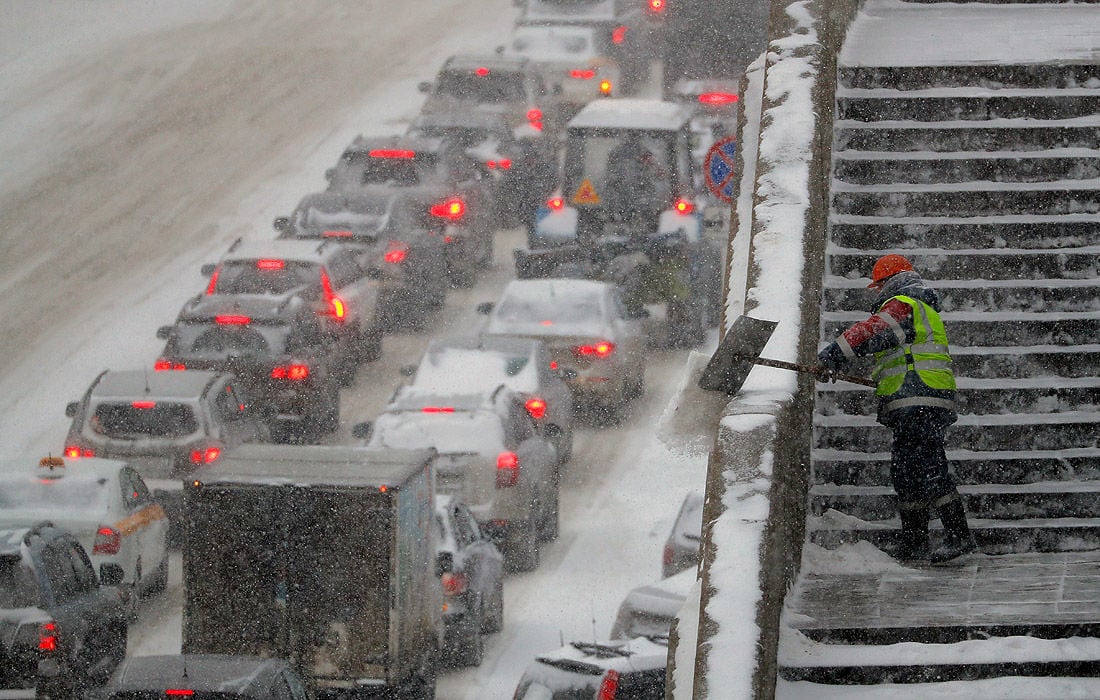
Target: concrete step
x,y
966,135
1025,680
979,328
1026,361
877,167
989,76
1012,264
994,537
845,467
980,396
970,199
1014,431
1057,295
1012,231
965,104
1043,499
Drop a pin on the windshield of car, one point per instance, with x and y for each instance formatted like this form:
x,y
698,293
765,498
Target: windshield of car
x,y
549,43
265,276
460,431
622,167
482,85
17,584
130,420
74,493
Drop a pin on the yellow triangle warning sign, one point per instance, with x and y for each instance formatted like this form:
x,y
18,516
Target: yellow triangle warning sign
x,y
586,193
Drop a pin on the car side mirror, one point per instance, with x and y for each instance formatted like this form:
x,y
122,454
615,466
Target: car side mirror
x,y
424,86
110,574
330,173
164,332
281,223
567,373
444,563
485,308
557,88
499,50
638,313
71,408
362,430
208,269
408,370
374,273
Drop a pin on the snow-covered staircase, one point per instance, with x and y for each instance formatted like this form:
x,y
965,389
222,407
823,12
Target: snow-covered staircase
x,y
986,175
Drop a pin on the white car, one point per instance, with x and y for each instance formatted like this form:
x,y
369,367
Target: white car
x,y
104,503
592,339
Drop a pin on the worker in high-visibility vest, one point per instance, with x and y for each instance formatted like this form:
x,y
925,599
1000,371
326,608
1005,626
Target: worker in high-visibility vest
x,y
916,390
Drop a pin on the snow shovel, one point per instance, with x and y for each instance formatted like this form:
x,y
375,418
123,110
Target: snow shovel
x,y
740,349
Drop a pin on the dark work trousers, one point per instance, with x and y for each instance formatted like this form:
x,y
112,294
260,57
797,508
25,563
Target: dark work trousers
x,y
918,464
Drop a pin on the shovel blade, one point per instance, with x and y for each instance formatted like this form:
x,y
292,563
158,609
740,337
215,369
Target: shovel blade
x,y
731,363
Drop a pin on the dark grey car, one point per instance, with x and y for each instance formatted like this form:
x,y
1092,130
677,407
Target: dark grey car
x,y
205,677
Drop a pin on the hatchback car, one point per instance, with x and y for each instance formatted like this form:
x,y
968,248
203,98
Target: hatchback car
x,y
471,571
276,348
491,455
651,609
682,546
628,670
64,627
205,677
586,328
394,227
104,504
472,365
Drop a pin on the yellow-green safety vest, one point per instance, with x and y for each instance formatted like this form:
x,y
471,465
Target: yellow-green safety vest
x,y
928,353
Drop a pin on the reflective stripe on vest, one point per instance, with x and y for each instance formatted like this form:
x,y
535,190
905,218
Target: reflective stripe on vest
x,y
927,355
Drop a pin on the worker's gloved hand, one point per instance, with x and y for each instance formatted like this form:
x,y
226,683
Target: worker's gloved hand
x,y
830,361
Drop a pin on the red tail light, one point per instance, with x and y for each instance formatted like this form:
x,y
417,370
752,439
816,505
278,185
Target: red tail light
x,y
582,74
595,350
178,692
107,541
397,252
232,320
656,6
683,206
47,637
553,364
503,164
507,470
337,234
610,685
454,584
295,372
212,287
717,98
534,118
666,555
605,87
482,71
451,209
536,407
163,364
555,204
143,405
76,452
270,264
438,409
207,456
391,153
618,35
335,304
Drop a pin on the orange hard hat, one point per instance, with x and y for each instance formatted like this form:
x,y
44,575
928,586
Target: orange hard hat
x,y
886,267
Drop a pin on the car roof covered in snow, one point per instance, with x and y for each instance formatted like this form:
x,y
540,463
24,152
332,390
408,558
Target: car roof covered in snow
x,y
148,384
282,248
200,673
630,113
328,465
491,61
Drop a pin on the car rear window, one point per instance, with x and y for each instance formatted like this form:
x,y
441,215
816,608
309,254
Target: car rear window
x,y
163,693
17,585
458,432
137,419
547,309
483,86
265,276
358,216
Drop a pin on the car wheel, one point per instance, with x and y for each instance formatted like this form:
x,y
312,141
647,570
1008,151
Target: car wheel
x,y
328,419
523,545
550,520
494,621
160,579
486,259
471,648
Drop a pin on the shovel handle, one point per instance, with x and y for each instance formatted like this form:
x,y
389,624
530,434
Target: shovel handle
x,y
780,364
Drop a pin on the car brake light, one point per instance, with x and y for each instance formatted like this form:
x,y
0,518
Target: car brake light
x,y
610,685
454,583
717,98
207,456
213,286
602,349
47,636
684,206
536,407
605,87
555,203
391,153
337,234
295,372
178,692
451,209
534,114
503,164
438,409
582,74
507,469
163,364
336,307
656,6
107,541
618,35
143,405
553,364
270,264
397,252
76,452
482,71
232,320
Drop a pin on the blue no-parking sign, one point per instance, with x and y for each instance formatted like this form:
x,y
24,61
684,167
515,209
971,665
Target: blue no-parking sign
x,y
719,168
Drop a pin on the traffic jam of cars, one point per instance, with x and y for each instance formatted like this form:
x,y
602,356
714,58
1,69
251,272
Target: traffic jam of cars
x,y
369,568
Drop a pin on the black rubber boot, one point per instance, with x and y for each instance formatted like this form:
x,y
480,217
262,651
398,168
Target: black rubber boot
x,y
957,539
914,535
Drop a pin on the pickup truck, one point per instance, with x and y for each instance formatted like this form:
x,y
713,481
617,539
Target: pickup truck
x,y
325,556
